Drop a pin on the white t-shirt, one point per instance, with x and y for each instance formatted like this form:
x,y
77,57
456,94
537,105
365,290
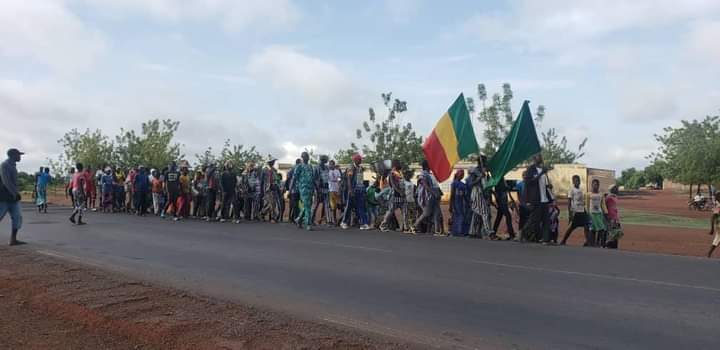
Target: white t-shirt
x,y
409,193
577,200
542,186
596,203
334,180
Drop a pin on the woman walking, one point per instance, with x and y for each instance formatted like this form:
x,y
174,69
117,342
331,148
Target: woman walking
x,y
43,181
458,205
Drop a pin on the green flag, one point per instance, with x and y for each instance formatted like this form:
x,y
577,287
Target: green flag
x,y
520,144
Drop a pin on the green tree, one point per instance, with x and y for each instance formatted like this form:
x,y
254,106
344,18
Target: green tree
x,y
92,148
238,155
58,168
654,173
555,149
386,138
206,158
691,153
625,176
497,118
154,147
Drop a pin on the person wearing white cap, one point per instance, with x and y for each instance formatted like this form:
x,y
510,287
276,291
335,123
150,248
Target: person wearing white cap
x,y
9,193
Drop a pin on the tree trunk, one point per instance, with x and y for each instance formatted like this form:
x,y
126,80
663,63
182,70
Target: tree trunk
x,y
691,194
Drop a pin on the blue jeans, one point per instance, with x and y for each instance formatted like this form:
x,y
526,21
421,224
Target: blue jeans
x,y
360,198
15,214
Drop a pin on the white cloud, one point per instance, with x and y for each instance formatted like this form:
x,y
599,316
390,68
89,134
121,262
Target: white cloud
x,y
574,29
646,103
234,15
48,33
288,70
402,11
703,40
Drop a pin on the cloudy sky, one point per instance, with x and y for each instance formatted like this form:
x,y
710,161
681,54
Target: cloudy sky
x,y
285,75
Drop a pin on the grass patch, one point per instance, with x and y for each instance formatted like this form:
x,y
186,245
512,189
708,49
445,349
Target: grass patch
x,y
633,217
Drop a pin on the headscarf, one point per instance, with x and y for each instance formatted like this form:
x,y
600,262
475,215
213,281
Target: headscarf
x,y
357,158
459,174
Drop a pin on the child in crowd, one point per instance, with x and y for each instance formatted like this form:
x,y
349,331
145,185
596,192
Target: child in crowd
x,y
615,231
554,213
410,203
107,189
598,229
372,202
577,212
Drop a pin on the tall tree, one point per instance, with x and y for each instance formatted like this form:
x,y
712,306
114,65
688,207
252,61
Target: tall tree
x,y
206,158
555,149
92,148
691,153
238,155
497,119
386,138
154,147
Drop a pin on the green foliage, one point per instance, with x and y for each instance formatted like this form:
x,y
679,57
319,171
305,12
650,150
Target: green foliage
x,y
93,149
58,168
207,157
654,173
344,156
497,119
387,138
690,154
556,151
153,147
239,156
632,179
26,182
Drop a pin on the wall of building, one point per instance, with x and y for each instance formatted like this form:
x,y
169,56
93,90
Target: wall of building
x,y
674,186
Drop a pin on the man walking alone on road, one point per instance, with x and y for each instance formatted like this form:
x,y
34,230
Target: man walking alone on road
x,y
78,184
9,194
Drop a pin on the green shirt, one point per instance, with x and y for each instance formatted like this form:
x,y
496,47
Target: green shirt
x,y
371,192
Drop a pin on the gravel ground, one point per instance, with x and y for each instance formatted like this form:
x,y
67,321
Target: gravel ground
x,y
48,303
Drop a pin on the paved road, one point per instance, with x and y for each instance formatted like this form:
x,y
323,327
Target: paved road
x,y
445,292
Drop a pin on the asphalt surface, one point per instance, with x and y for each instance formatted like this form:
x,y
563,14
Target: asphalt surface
x,y
444,292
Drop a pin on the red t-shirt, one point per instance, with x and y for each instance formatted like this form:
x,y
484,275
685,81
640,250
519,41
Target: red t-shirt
x,y
89,183
77,178
157,185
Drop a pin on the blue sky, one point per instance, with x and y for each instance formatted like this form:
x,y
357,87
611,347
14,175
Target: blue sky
x,y
285,75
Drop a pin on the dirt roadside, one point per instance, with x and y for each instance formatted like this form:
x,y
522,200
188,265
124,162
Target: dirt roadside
x,y
48,303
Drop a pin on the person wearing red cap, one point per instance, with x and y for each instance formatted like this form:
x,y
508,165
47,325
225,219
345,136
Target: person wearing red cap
x,y
9,193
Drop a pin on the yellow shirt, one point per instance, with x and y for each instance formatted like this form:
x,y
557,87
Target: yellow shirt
x,y
185,184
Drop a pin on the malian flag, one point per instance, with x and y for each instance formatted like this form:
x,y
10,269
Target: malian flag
x,y
452,140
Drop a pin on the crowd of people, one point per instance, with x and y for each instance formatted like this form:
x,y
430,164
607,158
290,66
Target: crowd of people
x,y
324,194
317,194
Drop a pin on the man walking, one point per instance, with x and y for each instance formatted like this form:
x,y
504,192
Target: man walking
x,y
228,182
304,177
357,194
78,185
538,197
334,178
9,194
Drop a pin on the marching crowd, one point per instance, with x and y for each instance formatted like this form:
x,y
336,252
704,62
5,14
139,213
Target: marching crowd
x,y
324,193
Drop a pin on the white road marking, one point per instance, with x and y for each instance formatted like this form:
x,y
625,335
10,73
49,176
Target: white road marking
x,y
597,275
332,244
